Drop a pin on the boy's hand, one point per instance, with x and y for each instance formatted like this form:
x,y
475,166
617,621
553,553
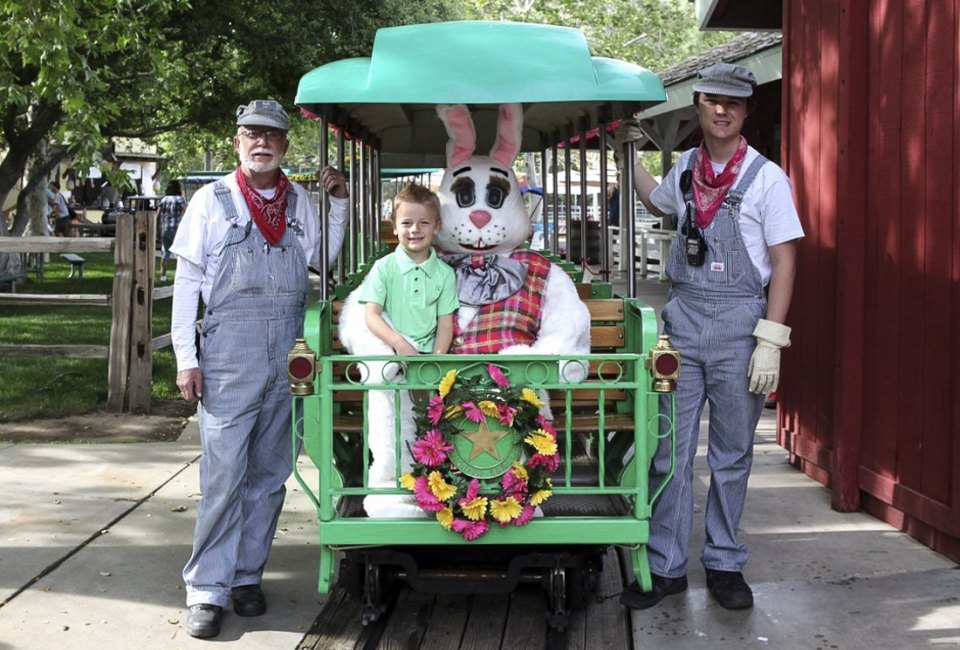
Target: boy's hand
x,y
403,348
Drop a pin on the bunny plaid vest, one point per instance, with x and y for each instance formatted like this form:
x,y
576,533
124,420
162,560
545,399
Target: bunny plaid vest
x,y
512,321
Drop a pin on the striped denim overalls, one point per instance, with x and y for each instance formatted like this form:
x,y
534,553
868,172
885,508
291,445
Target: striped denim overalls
x,y
710,316
255,312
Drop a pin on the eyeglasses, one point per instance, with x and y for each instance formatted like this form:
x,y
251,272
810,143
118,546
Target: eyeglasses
x,y
256,134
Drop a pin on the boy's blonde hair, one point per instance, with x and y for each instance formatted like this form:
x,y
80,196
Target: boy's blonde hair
x,y
414,193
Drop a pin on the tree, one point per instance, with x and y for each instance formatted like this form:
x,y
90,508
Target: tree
x,y
653,33
74,73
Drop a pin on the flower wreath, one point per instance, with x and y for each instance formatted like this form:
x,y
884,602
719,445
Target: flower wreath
x,y
442,488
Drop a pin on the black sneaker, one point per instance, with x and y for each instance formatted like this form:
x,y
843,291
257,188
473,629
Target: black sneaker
x,y
634,598
730,589
248,600
204,620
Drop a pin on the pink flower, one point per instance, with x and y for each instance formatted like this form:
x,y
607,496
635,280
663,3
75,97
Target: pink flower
x,y
497,376
472,411
425,498
471,530
435,409
513,485
430,450
506,414
547,426
549,463
472,490
525,516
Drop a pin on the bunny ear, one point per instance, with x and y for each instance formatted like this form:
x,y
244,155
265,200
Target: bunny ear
x,y
509,134
463,137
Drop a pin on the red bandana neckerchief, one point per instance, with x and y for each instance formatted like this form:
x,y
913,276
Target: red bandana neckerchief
x,y
709,190
270,216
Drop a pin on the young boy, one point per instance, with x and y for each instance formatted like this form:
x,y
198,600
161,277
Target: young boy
x,y
412,286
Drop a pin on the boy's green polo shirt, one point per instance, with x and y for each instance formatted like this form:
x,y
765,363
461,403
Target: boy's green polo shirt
x,y
412,295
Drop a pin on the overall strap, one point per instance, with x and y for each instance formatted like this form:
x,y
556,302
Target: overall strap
x,y
735,196
222,192
291,203
688,195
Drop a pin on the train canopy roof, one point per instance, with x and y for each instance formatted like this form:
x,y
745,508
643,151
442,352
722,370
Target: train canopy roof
x,y
389,98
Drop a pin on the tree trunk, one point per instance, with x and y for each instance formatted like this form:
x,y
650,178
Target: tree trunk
x,y
31,212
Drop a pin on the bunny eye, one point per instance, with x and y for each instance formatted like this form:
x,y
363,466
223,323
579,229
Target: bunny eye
x,y
495,196
465,191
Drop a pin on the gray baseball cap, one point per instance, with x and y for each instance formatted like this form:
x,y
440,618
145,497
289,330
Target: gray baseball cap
x,y
725,79
263,112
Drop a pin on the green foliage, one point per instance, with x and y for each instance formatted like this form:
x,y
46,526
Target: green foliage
x,y
46,387
653,33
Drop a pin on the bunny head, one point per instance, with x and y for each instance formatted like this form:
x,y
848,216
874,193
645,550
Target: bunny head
x,y
481,209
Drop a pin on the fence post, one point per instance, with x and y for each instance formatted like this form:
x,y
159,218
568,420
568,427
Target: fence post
x,y
120,325
141,355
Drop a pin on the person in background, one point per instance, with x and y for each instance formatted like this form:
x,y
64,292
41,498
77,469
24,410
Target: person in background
x,y
61,211
243,246
613,205
732,266
171,209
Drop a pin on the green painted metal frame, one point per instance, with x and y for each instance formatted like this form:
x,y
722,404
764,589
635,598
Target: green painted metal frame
x,y
314,426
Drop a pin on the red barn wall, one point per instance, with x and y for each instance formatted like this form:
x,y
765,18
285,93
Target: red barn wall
x,y
870,396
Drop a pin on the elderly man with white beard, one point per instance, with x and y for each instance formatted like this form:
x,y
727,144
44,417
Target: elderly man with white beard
x,y
243,246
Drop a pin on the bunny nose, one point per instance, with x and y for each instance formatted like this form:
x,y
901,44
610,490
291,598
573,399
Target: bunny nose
x,y
480,218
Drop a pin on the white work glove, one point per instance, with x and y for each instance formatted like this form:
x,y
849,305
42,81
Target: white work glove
x,y
627,131
764,369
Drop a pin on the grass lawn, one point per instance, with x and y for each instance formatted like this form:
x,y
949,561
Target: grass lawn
x,y
47,387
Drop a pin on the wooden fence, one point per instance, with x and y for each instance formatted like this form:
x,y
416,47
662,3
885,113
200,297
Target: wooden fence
x,y
130,349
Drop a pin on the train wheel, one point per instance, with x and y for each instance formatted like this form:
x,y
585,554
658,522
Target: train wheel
x,y
374,592
557,607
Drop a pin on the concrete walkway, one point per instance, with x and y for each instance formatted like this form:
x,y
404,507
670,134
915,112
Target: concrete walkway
x,y
93,538
109,528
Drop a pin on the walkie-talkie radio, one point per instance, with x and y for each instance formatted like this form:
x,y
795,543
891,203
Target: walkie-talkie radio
x,y
693,236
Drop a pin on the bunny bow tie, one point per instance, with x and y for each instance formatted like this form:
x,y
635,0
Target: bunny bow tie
x,y
485,279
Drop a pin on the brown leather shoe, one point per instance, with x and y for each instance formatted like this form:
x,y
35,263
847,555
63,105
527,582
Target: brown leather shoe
x,y
248,600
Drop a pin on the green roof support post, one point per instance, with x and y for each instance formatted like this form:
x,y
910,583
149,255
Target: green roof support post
x,y
555,217
324,215
352,215
584,197
341,157
567,195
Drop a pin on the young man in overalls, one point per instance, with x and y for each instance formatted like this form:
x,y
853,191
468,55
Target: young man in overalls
x,y
243,245
732,266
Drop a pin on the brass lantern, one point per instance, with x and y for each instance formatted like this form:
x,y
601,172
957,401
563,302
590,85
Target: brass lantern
x,y
301,368
664,365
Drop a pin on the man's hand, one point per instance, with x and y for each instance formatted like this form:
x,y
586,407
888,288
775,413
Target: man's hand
x,y
627,131
764,369
333,182
190,384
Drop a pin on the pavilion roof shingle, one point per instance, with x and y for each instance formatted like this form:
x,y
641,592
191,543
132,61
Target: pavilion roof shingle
x,y
733,50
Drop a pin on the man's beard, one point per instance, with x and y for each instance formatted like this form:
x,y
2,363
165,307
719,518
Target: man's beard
x,y
261,167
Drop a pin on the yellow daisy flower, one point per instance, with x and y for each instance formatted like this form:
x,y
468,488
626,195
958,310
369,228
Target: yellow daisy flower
x,y
445,517
476,510
440,488
408,482
504,511
542,441
452,411
529,395
447,383
489,408
539,497
520,472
